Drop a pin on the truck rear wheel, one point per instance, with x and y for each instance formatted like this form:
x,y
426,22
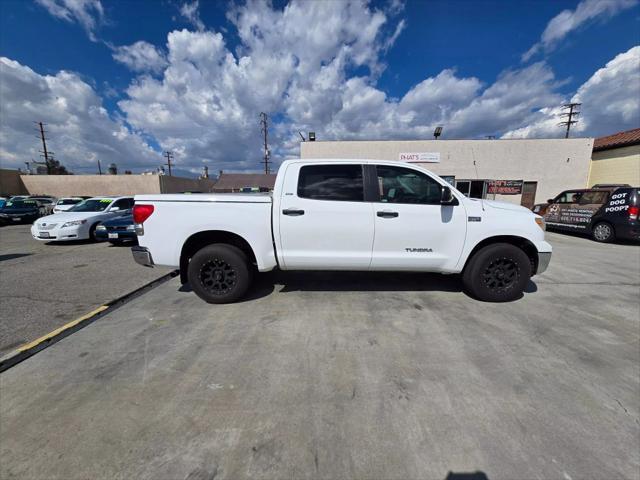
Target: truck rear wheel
x,y
497,273
219,273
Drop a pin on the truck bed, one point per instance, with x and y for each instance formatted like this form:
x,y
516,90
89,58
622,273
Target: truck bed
x,y
206,197
177,217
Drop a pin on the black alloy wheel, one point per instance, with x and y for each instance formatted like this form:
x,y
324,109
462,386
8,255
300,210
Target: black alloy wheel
x,y
219,273
497,272
218,277
501,274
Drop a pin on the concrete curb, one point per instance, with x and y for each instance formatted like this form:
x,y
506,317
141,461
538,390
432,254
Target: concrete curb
x,y
31,348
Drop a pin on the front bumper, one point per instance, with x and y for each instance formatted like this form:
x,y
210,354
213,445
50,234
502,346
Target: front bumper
x,y
142,256
543,262
8,218
59,234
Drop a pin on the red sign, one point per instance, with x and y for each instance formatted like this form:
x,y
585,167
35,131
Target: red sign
x,y
505,187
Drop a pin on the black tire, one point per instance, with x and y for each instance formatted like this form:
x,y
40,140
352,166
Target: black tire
x,y
219,273
92,233
497,273
603,232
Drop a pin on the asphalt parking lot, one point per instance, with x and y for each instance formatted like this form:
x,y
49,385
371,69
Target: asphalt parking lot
x,y
45,285
345,376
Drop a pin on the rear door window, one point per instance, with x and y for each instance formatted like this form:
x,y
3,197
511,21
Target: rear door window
x,y
593,198
331,182
568,197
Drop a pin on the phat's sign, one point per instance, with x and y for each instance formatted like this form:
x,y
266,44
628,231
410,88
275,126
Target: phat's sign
x,y
420,157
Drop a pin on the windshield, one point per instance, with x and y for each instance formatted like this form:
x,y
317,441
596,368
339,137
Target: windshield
x,y
69,201
22,204
92,205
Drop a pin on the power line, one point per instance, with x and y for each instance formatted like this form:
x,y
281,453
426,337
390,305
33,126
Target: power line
x,y
169,157
574,111
264,127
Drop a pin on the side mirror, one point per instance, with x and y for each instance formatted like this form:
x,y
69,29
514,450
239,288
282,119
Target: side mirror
x,y
114,209
446,197
550,200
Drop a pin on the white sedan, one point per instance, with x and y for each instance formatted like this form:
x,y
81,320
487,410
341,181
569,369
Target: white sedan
x,y
81,220
66,203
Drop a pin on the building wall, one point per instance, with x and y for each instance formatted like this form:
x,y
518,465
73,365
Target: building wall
x,y
180,184
555,164
94,185
618,165
10,183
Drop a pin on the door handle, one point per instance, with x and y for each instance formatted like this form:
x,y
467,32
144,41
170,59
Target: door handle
x,y
387,214
293,212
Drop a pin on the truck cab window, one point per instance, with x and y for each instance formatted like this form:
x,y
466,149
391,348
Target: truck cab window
x,y
331,182
403,185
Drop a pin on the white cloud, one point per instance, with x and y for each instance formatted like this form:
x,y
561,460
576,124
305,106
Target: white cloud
x,y
87,13
610,103
190,11
140,57
313,66
80,131
290,63
568,20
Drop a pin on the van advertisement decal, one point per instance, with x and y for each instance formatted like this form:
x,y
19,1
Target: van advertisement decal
x,y
571,215
578,212
618,203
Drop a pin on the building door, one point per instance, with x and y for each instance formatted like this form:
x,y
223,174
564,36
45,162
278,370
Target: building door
x,y
529,194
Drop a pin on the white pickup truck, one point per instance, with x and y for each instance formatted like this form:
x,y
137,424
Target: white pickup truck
x,y
364,215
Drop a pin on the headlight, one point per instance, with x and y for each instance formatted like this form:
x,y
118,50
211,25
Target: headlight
x,y
131,228
541,223
74,223
101,227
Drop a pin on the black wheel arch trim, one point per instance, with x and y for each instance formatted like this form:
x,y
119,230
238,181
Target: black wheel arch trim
x,y
524,244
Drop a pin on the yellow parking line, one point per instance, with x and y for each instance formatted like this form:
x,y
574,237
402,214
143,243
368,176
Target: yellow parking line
x,y
58,331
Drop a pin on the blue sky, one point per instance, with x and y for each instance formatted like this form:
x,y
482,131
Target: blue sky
x,y
121,81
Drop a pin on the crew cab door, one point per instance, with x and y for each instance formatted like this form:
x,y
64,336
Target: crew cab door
x,y
323,221
413,230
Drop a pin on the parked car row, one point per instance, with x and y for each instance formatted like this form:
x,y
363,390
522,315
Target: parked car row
x,y
72,218
605,212
81,220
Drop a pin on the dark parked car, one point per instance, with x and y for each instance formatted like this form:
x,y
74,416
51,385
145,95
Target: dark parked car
x,y
23,210
603,213
117,230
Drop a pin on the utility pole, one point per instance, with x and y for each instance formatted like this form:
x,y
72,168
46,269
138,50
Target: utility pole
x,y
44,152
573,111
264,128
99,168
169,156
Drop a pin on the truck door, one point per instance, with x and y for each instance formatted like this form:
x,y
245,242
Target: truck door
x,y
413,231
324,222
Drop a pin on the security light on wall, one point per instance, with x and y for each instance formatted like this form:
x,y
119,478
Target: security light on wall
x,y
437,132
312,136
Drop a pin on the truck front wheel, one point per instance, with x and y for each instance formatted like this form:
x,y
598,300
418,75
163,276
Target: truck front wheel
x,y
497,273
219,273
